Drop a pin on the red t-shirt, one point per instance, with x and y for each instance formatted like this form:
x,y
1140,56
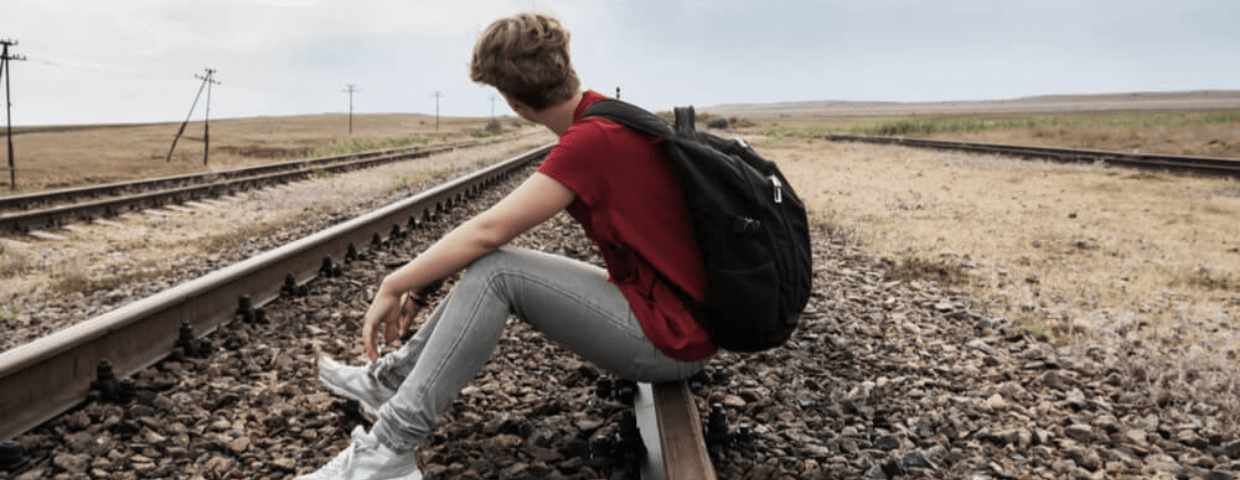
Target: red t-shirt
x,y
630,204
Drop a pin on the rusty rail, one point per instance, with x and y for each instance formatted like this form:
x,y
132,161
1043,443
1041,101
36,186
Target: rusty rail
x,y
1180,163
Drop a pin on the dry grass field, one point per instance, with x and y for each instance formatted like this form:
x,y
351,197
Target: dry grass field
x,y
53,160
1066,251
1075,253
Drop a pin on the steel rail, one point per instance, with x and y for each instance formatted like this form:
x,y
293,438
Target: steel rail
x,y
1180,163
23,222
48,376
672,433
27,201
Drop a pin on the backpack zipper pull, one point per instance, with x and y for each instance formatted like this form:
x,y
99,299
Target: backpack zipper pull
x,y
779,189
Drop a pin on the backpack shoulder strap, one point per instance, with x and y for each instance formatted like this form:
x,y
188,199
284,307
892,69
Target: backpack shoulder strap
x,y
631,116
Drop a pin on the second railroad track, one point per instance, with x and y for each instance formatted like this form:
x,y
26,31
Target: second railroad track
x,y
21,214
1149,161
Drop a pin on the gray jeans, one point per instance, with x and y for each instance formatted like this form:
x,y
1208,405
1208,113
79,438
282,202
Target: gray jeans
x,y
569,301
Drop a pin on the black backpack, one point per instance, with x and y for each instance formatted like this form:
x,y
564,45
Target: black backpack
x,y
749,224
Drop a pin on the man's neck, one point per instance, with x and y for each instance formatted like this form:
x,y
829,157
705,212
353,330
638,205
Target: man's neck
x,y
559,117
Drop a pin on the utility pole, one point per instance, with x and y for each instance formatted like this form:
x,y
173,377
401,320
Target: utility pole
x,y
437,95
351,90
492,108
206,122
206,81
5,57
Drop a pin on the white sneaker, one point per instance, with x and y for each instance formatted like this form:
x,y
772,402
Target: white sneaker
x,y
354,383
367,459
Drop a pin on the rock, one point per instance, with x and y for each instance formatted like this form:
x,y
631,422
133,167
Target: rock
x,y
72,463
1080,432
1076,399
588,424
1084,457
78,421
33,474
239,445
217,465
1232,449
996,402
284,463
887,442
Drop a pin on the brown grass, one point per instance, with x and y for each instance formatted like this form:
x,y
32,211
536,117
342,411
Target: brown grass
x,y
73,158
1221,140
1065,249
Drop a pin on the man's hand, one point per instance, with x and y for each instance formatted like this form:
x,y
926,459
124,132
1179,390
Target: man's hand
x,y
390,314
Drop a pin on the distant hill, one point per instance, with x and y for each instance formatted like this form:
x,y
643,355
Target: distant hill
x,y
1135,101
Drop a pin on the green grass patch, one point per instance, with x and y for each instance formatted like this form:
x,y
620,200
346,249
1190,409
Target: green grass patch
x,y
913,268
1036,330
816,132
80,283
482,133
318,172
1211,280
400,182
367,145
9,314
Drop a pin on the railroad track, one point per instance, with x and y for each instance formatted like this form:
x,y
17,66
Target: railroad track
x,y
1178,163
21,214
56,374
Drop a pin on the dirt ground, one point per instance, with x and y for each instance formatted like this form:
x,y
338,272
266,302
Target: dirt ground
x,y
1074,250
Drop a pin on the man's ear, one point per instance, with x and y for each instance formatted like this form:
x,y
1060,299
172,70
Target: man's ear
x,y
518,107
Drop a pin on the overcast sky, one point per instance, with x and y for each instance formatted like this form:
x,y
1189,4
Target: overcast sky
x,y
95,61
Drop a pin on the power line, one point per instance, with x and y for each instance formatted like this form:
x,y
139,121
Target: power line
x,y
437,95
5,57
352,89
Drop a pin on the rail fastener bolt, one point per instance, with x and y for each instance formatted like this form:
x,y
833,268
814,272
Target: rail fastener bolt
x,y
717,426
603,388
292,289
625,390
111,389
192,347
330,269
13,458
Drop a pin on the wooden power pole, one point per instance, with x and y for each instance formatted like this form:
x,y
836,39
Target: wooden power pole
x,y
351,90
437,95
206,83
5,57
206,121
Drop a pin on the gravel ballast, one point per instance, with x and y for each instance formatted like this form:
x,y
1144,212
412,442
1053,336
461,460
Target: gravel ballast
x,y
884,379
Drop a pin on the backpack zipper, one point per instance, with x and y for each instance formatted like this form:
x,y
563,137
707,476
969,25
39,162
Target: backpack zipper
x,y
779,189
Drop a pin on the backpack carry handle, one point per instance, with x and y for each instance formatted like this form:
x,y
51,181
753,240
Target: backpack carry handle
x,y
684,120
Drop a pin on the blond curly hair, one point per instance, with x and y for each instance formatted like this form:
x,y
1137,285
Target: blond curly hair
x,y
525,57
